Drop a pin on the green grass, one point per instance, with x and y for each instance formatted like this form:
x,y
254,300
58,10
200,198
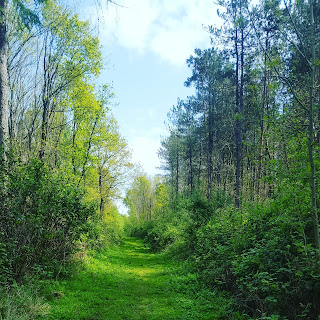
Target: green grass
x,y
21,303
129,282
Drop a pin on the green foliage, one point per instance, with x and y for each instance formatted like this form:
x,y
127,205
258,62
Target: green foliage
x,y
263,258
42,217
262,254
159,236
104,232
26,16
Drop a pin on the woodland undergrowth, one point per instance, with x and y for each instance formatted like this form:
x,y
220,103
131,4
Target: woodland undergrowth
x,y
262,254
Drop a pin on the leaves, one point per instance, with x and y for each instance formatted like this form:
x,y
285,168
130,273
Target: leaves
x,y
28,17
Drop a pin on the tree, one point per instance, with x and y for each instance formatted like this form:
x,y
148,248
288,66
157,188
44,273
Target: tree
x,y
139,199
28,17
112,161
312,131
3,75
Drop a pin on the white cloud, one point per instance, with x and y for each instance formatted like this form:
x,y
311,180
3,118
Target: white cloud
x,y
144,151
168,28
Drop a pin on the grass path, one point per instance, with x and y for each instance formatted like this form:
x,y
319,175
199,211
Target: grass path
x,y
129,282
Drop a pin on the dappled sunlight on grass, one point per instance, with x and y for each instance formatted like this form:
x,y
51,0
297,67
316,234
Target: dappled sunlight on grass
x,y
126,282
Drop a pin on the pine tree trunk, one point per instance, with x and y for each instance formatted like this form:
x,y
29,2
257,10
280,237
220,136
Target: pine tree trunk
x,y
237,127
177,169
190,165
210,150
262,127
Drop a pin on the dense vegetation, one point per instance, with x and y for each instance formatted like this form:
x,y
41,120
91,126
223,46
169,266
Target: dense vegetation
x,y
239,200
62,158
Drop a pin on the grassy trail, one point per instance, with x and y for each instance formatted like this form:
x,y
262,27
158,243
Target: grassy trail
x,y
128,282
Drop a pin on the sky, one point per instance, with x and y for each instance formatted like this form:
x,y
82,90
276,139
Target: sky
x,y
145,44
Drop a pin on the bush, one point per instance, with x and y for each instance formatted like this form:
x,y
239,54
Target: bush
x,y
104,231
261,254
263,257
42,217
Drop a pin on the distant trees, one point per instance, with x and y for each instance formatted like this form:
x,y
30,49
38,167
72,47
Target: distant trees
x,y
146,199
139,199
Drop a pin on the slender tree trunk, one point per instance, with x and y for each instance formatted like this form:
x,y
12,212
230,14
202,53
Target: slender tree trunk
x,y
44,128
56,147
12,119
311,133
150,209
264,101
241,108
253,189
101,193
210,148
88,150
177,168
237,127
4,129
74,147
190,164
200,164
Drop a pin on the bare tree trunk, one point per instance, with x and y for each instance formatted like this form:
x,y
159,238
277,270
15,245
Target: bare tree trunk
x,y
177,169
101,192
200,164
241,109
262,127
190,164
44,128
4,129
88,150
210,150
237,128
74,147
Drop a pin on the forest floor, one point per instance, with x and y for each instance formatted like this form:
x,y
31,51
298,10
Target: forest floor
x,y
129,282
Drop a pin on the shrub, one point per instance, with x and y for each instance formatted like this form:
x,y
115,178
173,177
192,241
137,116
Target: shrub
x,y
42,217
104,231
263,257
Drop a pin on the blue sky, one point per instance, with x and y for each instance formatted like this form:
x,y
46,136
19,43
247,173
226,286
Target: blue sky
x,y
145,89
147,43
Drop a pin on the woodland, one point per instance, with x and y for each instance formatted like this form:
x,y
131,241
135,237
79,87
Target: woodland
x,y
236,207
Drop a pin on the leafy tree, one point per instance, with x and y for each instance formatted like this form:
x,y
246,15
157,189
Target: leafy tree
x,y
139,199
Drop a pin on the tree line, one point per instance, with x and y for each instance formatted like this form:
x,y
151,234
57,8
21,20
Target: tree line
x,y
241,161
